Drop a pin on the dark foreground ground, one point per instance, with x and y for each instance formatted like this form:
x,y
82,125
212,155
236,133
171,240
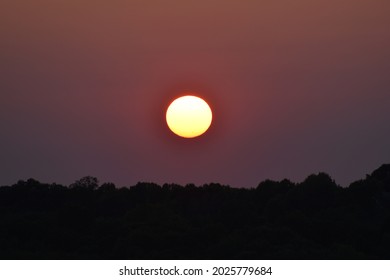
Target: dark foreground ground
x,y
315,219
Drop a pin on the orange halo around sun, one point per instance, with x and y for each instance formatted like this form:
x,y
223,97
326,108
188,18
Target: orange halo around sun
x,y
189,116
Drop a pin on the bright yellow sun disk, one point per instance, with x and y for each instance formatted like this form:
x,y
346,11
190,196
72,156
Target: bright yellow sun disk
x,y
189,116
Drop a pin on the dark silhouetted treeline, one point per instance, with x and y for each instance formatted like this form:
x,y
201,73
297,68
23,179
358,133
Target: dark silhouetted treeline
x,y
315,219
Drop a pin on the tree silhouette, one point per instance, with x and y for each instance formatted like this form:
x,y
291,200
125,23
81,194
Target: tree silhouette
x,y
87,182
314,219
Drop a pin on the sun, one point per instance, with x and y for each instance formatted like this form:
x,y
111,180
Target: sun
x,y
189,116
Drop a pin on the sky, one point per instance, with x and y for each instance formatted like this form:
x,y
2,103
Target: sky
x,y
296,87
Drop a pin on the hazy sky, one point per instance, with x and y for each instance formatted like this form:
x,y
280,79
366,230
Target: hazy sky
x,y
297,87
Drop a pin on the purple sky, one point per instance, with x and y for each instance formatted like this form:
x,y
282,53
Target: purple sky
x,y
297,87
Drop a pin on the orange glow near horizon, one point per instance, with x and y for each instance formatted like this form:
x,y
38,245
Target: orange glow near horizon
x,y
189,116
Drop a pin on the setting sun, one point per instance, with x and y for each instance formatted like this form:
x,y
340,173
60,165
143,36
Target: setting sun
x,y
189,116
